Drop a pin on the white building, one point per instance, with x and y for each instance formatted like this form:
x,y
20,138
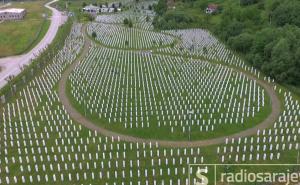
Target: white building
x,y
12,14
91,9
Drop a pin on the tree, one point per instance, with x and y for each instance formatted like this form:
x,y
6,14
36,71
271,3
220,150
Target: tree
x,y
287,13
130,24
242,42
84,4
160,42
248,2
147,18
230,28
172,45
281,61
205,51
161,7
89,17
125,21
94,35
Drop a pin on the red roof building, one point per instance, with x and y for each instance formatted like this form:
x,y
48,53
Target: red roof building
x,y
212,8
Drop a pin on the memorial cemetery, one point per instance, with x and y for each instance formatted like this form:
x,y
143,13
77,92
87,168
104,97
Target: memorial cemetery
x,y
143,106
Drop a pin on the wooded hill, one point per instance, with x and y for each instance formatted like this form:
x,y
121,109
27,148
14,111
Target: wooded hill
x,y
265,32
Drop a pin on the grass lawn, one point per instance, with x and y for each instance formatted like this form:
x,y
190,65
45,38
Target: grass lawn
x,y
17,37
164,132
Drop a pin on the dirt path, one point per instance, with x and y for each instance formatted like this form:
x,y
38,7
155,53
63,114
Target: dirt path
x,y
76,116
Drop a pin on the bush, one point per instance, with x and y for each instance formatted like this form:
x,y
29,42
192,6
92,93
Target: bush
x,y
94,34
125,21
128,22
88,17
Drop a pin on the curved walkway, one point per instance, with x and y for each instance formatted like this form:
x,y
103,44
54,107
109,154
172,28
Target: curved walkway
x,y
76,116
11,66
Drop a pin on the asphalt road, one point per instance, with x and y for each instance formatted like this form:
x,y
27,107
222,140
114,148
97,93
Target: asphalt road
x,y
11,66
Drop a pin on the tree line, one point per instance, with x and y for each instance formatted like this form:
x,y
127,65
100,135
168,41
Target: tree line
x,y
265,32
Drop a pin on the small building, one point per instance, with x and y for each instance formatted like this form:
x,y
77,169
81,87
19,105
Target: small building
x,y
12,14
109,10
91,9
104,10
212,8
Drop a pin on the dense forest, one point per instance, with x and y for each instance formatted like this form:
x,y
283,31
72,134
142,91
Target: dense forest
x,y
265,32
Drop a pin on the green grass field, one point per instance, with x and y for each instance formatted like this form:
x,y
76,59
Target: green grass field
x,y
17,37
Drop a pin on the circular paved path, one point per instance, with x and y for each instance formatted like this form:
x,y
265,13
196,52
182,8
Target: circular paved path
x,y
76,116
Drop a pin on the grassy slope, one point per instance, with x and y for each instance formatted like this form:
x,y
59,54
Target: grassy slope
x,y
17,37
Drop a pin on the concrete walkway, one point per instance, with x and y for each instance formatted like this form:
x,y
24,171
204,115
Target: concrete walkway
x,y
11,66
76,116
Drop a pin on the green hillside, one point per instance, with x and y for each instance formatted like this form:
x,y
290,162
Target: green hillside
x,y
265,32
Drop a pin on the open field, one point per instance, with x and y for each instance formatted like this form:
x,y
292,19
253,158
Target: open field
x,y
157,94
17,37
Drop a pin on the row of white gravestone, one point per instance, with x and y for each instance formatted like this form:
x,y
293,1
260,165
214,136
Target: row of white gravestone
x,y
33,136
77,144
94,176
115,35
200,42
94,165
260,147
283,136
58,150
117,107
251,157
141,22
